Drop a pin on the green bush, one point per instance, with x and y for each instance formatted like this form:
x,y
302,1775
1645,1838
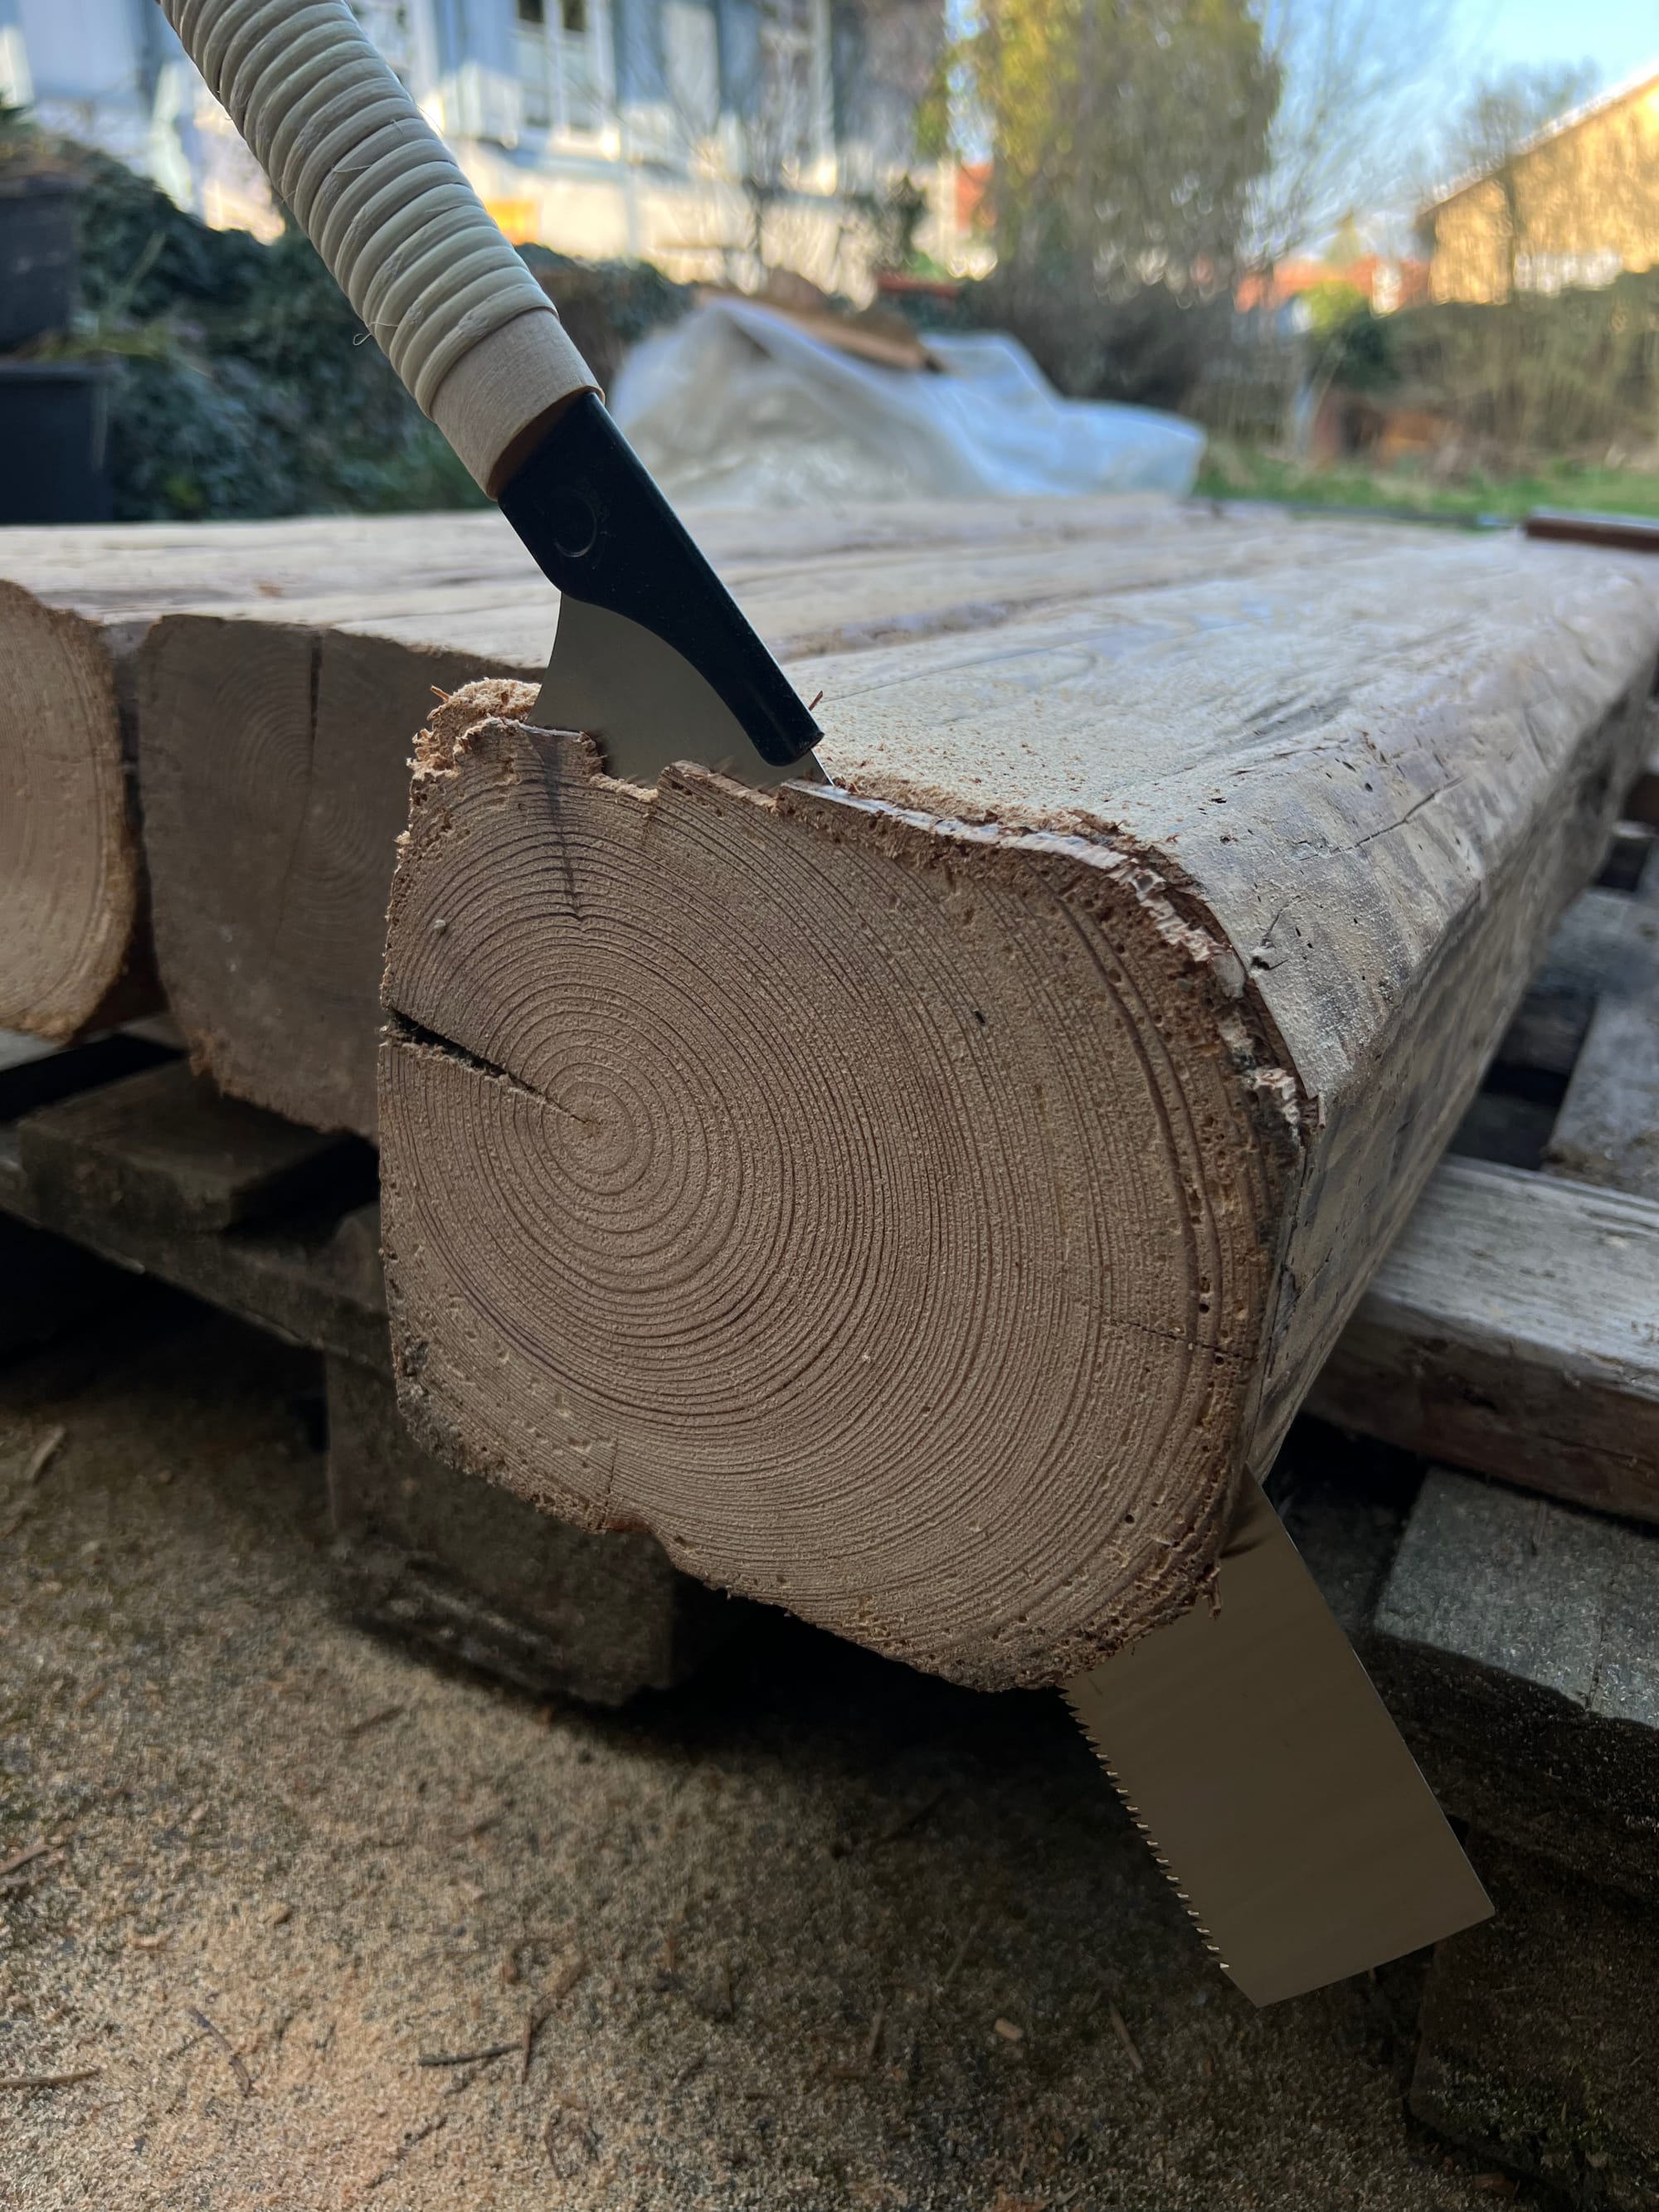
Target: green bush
x,y
242,384
1147,346
1561,372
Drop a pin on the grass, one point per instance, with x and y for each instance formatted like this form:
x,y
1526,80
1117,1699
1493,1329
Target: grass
x,y
1235,471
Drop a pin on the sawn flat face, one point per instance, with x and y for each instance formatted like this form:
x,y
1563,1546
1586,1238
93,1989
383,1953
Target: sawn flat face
x,y
1275,1790
652,655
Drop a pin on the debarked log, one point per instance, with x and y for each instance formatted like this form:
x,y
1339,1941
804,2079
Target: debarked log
x,y
277,731
917,1201
78,608
74,948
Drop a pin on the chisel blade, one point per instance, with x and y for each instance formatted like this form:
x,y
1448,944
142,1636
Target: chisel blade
x,y
1274,1789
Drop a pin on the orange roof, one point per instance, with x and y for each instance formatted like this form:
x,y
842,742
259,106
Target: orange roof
x,y
1406,279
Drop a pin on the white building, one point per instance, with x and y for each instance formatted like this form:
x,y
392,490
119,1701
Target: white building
x,y
674,130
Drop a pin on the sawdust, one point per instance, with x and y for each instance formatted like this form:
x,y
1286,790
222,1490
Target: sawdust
x,y
815,1932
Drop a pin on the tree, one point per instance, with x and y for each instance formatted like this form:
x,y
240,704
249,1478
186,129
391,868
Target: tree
x,y
1346,131
1502,112
1126,136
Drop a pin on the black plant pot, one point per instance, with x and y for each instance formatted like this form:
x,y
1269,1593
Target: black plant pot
x,y
37,257
54,442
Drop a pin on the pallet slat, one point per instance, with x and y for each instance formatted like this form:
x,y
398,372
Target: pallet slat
x,y
1511,1328
163,1151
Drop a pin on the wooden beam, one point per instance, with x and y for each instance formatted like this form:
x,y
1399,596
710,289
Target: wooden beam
x,y
75,607
916,1201
278,730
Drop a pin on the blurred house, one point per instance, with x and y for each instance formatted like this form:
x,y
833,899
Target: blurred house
x,y
687,132
1573,205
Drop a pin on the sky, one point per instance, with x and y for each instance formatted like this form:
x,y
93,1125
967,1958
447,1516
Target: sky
x,y
1478,40
1618,36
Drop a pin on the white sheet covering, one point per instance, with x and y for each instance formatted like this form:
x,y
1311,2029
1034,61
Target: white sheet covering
x,y
737,406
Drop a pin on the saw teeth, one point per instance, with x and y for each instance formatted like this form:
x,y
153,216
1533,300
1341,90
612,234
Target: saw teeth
x,y
1158,1859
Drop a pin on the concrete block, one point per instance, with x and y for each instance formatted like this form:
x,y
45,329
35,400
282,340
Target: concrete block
x,y
1540,2037
1516,1642
463,1568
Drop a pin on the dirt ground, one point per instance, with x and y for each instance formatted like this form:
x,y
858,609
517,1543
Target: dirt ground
x,y
812,1932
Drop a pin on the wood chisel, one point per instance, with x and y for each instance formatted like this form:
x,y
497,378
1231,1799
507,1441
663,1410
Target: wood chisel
x,y
1252,1748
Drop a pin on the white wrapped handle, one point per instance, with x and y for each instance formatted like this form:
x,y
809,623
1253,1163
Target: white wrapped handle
x,y
380,197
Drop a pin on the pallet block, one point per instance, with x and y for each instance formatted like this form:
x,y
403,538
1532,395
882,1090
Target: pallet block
x,y
1540,2032
424,1552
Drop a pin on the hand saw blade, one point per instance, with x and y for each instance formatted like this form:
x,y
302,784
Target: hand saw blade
x,y
647,704
1265,1772
652,656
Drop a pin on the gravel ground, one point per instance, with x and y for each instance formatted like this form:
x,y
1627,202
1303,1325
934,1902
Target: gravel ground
x,y
814,1932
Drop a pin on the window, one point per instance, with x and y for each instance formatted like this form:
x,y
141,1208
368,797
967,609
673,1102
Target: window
x,y
558,66
386,22
793,84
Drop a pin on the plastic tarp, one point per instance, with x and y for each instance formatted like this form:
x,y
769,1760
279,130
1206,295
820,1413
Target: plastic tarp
x,y
738,406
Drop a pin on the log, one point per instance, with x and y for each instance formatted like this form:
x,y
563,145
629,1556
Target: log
x,y
75,607
276,733
72,945
276,787
918,1201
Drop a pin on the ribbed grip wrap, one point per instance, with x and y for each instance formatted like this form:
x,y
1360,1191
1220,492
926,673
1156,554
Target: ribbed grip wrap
x,y
385,204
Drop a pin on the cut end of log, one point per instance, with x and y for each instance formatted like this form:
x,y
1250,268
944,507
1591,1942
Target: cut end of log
x,y
882,1213
71,878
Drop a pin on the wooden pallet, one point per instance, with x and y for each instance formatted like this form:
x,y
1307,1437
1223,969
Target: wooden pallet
x,y
116,1161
